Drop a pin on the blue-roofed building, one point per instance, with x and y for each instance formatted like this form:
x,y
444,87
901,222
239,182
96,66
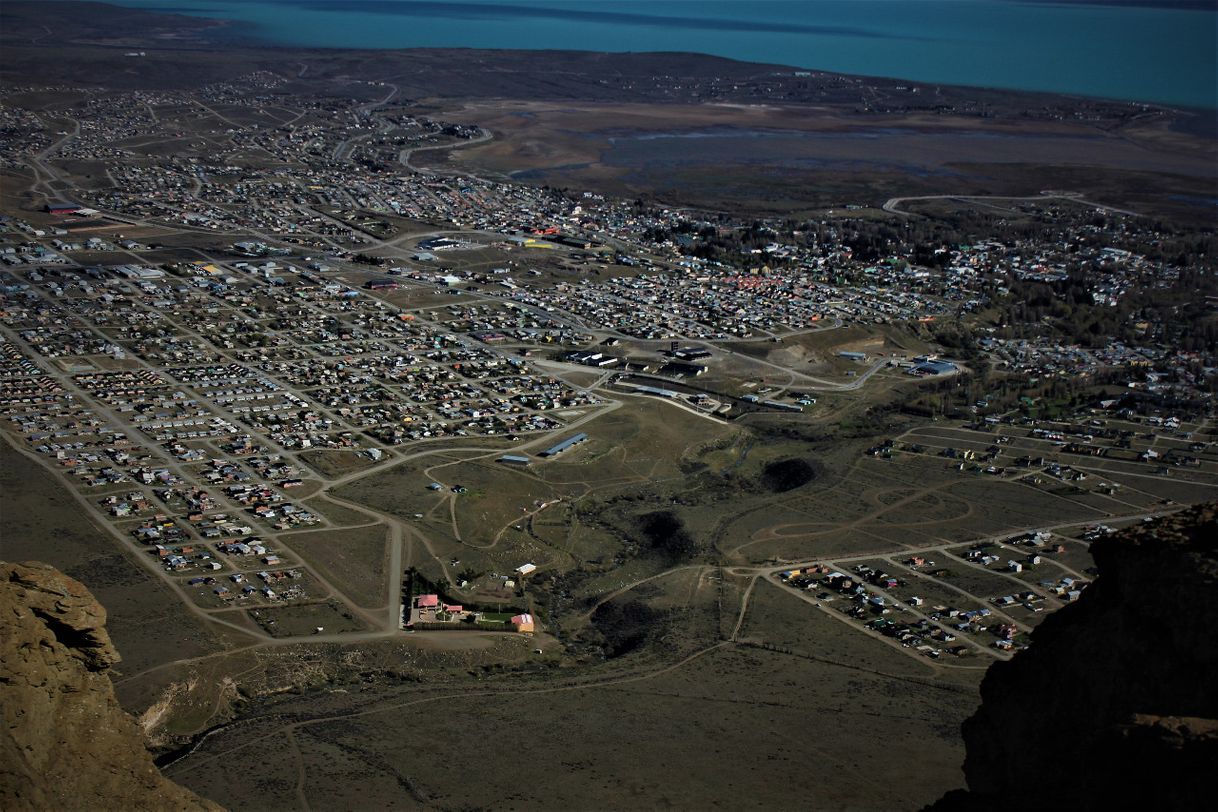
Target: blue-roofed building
x,y
564,445
933,368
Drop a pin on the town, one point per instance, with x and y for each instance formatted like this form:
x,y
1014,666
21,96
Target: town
x,y
206,343
382,379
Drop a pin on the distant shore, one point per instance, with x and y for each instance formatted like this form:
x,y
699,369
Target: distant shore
x,y
1157,53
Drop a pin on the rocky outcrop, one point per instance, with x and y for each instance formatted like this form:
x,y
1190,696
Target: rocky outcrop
x,y
67,744
1112,706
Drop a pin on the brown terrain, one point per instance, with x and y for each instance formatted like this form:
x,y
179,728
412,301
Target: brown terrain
x,y
67,743
797,156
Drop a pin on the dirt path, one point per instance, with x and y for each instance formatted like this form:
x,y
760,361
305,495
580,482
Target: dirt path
x,y
293,726
892,205
744,608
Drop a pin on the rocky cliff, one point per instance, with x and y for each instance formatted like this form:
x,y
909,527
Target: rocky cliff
x,y
1113,705
66,743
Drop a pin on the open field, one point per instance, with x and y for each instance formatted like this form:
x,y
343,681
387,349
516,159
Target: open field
x,y
354,560
536,137
297,621
639,443
905,502
842,759
816,351
780,157
337,514
336,463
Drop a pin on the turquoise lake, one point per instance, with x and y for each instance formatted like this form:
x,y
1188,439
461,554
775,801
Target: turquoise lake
x,y
1135,50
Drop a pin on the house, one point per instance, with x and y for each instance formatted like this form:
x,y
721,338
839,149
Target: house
x,y
491,337
523,623
525,569
427,602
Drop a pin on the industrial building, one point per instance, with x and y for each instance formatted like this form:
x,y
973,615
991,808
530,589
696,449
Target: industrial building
x,y
653,390
933,367
564,445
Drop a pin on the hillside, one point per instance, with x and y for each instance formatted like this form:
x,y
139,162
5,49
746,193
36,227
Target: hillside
x,y
67,744
1113,704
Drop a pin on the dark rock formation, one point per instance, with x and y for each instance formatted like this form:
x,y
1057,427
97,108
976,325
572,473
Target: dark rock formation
x,y
66,743
1113,705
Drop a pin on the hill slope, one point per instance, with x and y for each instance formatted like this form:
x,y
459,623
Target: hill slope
x,y
66,743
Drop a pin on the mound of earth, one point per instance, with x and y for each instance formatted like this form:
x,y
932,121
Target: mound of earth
x,y
67,744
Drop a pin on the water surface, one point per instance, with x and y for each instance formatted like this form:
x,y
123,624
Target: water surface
x,y
1140,51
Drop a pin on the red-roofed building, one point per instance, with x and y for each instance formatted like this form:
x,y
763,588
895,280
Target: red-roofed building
x,y
427,601
523,623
